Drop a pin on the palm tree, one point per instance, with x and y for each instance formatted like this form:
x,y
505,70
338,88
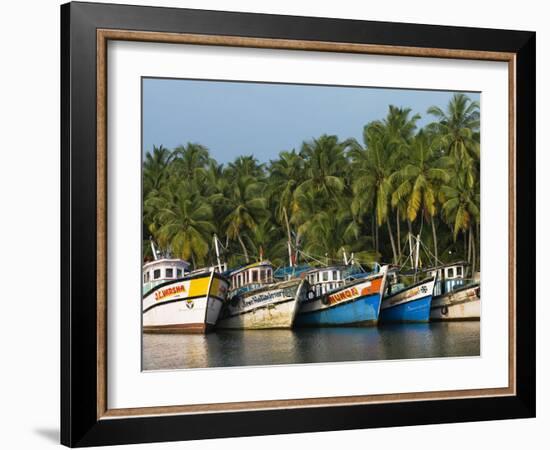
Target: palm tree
x,y
191,160
285,175
155,168
334,231
419,180
461,209
399,124
185,223
245,166
372,168
307,208
246,205
458,128
267,239
325,163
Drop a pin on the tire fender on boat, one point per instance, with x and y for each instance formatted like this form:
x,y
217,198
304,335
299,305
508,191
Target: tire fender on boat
x,y
444,310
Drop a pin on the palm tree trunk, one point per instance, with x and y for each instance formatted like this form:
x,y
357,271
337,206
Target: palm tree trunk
x,y
391,240
398,234
435,240
243,247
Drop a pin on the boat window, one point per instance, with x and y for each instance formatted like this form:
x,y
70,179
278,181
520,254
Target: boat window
x,y
450,272
459,271
178,273
169,273
325,276
334,275
254,276
156,274
145,278
269,275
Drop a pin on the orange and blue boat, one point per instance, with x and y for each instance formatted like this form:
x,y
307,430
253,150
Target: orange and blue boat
x,y
340,298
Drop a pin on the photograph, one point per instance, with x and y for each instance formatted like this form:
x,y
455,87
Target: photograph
x,y
299,223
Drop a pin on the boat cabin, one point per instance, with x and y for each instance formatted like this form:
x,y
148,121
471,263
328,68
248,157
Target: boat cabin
x,y
325,279
162,270
252,276
448,278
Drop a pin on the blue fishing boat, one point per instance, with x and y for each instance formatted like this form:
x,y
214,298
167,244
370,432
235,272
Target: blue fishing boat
x,y
339,297
407,303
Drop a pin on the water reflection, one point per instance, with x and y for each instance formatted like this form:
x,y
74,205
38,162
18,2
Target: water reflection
x,y
225,348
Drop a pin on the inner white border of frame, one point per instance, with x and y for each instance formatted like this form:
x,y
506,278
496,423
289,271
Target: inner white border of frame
x,y
129,387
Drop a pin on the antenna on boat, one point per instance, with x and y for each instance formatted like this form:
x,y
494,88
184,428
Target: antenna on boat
x,y
153,248
217,253
345,256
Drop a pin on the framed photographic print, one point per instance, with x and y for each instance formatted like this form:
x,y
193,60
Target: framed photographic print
x,y
276,224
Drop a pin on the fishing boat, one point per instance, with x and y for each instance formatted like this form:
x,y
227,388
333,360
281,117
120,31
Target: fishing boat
x,y
256,301
340,297
455,297
407,303
176,300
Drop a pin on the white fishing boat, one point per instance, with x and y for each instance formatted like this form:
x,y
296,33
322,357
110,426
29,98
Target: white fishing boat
x,y
455,296
176,300
255,301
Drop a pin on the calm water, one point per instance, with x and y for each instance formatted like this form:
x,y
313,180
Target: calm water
x,y
224,348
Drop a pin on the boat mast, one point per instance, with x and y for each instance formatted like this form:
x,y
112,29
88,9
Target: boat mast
x,y
416,256
288,241
345,257
217,253
153,249
411,250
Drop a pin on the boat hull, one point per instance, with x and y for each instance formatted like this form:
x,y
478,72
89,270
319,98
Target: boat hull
x,y
409,305
351,305
188,305
271,307
461,304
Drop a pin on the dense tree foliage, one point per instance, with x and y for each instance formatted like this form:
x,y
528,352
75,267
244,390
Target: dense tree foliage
x,y
330,198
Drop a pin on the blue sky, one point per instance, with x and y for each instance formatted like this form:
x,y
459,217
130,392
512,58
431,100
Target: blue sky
x,y
260,119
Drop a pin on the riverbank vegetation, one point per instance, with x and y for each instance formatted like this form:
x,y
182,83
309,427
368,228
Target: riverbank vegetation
x,y
332,195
